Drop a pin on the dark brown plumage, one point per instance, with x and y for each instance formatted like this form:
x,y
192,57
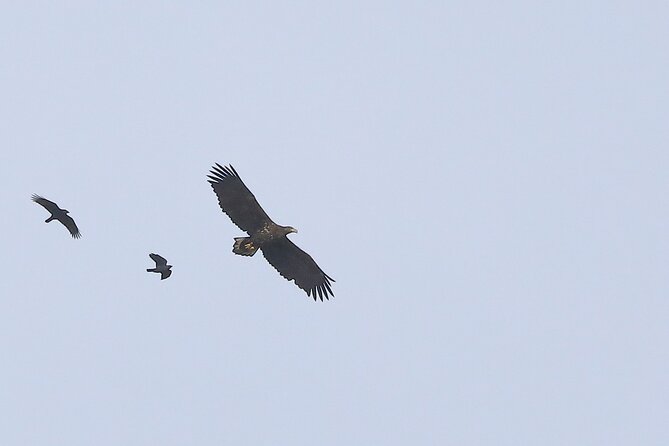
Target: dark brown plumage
x,y
237,201
58,214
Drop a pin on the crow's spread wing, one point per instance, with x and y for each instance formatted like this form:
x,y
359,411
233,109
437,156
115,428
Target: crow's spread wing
x,y
46,204
69,223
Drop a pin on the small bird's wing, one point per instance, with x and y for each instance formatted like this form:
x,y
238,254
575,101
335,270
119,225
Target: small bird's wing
x,y
236,200
294,264
160,261
46,204
69,223
165,274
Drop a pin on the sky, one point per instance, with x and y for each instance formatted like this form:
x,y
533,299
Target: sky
x,y
485,181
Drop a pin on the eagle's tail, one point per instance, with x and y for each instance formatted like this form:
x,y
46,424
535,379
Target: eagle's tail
x,y
244,246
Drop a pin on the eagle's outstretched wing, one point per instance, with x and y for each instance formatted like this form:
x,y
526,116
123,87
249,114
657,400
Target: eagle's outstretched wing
x,y
236,200
294,264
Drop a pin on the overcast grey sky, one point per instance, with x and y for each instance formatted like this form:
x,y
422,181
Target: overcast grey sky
x,y
486,181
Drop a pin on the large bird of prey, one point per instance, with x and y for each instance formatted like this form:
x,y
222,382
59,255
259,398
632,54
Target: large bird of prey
x,y
161,266
236,200
58,214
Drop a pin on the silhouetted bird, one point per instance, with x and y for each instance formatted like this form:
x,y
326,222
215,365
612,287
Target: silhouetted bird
x,y
236,200
58,214
161,266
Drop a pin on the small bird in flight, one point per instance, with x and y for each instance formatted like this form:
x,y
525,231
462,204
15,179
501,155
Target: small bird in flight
x,y
161,266
58,214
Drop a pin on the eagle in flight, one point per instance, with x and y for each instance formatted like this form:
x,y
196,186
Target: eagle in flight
x,y
237,201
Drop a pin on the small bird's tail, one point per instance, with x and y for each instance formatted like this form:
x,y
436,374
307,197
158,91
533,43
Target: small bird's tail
x,y
244,246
